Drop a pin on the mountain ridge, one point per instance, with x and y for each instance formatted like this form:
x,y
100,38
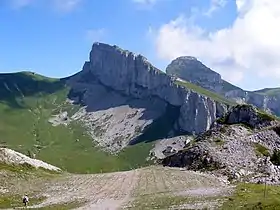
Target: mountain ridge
x,y
117,103
196,72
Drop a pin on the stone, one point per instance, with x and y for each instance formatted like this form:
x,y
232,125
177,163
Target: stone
x,y
11,157
122,94
192,70
244,150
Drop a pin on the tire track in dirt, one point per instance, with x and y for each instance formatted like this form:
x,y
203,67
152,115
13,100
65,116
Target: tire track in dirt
x,y
116,193
112,191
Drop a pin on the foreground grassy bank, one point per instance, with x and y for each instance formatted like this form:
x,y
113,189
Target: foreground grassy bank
x,y
254,196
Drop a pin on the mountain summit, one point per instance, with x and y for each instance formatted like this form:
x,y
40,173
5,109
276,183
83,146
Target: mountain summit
x,y
128,99
192,70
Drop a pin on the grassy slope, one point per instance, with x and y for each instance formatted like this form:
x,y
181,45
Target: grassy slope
x,y
205,92
26,103
246,196
254,196
269,91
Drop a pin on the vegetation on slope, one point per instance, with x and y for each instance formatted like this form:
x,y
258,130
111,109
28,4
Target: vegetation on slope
x,y
229,87
269,91
265,116
254,196
207,93
27,101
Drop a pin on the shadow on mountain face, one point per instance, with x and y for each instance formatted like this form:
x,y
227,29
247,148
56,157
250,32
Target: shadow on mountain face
x,y
23,84
161,127
88,91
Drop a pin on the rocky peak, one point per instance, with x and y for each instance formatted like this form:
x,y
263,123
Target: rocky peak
x,y
188,58
126,72
190,69
248,115
115,80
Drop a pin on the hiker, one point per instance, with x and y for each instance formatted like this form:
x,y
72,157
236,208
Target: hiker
x,y
25,200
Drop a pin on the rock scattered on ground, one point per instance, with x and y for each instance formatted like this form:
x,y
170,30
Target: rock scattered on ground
x,y
244,145
11,157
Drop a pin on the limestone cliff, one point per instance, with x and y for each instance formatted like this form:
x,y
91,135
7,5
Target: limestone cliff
x,y
124,96
192,70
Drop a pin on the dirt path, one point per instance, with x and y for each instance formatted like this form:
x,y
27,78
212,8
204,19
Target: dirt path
x,y
116,190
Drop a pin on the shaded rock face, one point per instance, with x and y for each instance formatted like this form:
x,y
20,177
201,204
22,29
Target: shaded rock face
x,y
234,150
112,119
114,78
192,70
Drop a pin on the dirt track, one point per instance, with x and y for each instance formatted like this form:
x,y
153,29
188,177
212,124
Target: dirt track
x,y
118,190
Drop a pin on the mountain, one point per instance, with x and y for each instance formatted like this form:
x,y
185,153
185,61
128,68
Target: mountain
x,y
127,100
120,113
29,102
192,70
110,112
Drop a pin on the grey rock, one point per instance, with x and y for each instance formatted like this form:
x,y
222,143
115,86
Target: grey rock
x,y
122,94
234,150
167,147
192,70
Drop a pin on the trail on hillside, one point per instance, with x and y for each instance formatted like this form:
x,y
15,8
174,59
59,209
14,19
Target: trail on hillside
x,y
119,190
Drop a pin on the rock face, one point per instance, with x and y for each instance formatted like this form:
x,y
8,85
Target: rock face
x,y
124,95
12,157
234,149
248,115
192,70
170,146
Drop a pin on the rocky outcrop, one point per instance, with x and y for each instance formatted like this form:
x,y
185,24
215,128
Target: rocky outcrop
x,y
234,149
114,78
12,157
249,116
192,70
169,146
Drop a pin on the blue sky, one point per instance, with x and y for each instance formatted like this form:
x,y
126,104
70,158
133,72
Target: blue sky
x,y
54,37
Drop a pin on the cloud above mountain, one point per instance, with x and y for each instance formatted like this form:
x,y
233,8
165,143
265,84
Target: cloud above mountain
x,y
59,5
250,44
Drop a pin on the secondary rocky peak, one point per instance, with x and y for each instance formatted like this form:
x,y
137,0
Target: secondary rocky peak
x,y
192,70
187,58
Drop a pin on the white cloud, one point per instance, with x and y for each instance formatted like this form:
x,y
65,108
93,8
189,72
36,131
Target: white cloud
x,y
66,5
250,45
145,2
215,5
59,5
20,3
96,35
